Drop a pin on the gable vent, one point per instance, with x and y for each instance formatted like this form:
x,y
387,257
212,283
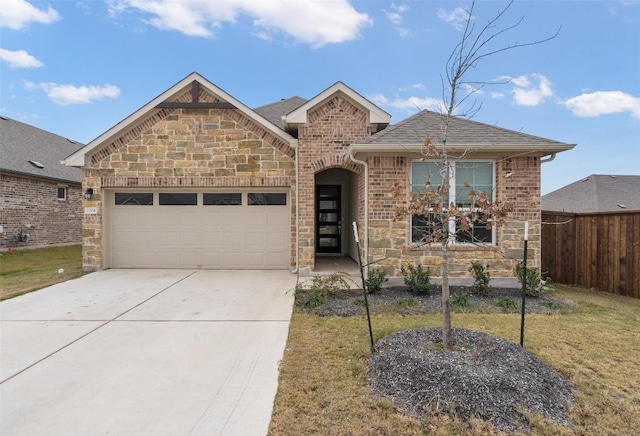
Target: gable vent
x,y
36,164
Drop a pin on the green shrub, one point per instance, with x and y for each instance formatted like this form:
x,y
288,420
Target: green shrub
x,y
461,301
417,279
481,278
507,303
553,305
406,303
314,293
535,285
375,278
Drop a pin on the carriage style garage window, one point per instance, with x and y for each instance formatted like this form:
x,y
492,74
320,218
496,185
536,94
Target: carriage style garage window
x,y
178,199
222,199
464,176
134,199
267,199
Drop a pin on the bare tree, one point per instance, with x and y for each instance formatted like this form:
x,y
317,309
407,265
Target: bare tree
x,y
445,220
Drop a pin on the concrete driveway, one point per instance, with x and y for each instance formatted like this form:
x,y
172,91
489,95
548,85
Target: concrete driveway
x,y
135,352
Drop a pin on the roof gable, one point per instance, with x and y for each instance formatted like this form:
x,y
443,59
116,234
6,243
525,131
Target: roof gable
x,y
172,98
21,143
596,193
374,113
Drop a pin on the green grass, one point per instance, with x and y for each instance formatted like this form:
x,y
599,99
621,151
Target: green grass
x,y
596,346
23,271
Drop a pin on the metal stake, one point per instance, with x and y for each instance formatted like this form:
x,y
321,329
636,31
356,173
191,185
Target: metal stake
x,y
524,281
364,285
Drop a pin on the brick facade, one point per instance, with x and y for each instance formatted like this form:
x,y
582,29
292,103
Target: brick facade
x,y
31,205
186,148
197,148
390,239
330,130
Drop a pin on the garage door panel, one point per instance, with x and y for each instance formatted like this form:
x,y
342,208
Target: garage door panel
x,y
233,237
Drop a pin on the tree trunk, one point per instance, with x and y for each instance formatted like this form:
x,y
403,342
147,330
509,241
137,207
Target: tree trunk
x,y
446,311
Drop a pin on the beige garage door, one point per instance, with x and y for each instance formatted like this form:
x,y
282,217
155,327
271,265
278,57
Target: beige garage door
x,y
170,229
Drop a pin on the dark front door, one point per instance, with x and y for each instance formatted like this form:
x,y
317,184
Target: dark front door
x,y
328,219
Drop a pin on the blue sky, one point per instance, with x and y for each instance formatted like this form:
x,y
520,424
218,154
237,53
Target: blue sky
x,y
76,68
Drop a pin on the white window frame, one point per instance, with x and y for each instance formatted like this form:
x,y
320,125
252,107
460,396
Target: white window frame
x,y
452,199
65,189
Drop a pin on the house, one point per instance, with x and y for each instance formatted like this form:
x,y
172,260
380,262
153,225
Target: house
x,y
596,193
40,198
196,179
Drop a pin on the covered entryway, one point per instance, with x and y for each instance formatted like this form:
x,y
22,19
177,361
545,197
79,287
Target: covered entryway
x,y
169,228
336,207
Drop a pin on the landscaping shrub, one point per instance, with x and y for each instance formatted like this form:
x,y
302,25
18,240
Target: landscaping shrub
x,y
481,278
314,293
460,301
535,285
417,279
507,303
375,278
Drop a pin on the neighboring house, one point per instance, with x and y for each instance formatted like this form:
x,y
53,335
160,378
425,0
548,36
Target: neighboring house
x,y
596,193
40,197
196,179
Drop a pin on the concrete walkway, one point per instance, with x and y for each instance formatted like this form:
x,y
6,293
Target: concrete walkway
x,y
145,352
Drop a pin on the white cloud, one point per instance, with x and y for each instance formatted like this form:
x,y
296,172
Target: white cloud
x,y
19,59
531,90
378,99
15,14
414,86
411,104
456,17
66,95
604,102
497,95
313,22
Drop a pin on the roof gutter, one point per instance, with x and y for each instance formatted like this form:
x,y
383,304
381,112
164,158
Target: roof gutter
x,y
545,149
548,159
350,157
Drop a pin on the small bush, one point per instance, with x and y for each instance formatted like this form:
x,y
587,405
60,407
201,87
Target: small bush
x,y
507,303
460,301
417,279
314,293
375,278
535,285
553,305
481,278
406,303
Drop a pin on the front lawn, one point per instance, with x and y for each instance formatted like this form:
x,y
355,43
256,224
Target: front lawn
x,y
23,270
323,386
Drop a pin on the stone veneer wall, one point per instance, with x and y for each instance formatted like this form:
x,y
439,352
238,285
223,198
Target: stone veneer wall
x,y
389,239
31,204
331,128
187,148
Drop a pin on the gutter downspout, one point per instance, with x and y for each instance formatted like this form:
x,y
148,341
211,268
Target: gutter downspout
x,y
297,266
350,157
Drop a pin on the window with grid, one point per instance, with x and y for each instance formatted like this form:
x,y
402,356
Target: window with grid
x,y
465,182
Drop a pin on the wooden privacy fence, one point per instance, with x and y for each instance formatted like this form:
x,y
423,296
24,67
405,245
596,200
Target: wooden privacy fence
x,y
594,250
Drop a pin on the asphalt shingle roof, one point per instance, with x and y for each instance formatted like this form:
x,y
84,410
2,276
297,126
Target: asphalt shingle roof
x,y
428,125
596,193
275,111
21,143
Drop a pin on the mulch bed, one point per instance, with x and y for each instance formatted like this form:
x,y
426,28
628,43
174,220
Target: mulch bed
x,y
483,377
399,300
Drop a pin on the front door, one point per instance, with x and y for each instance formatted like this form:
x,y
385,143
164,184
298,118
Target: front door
x,y
328,219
